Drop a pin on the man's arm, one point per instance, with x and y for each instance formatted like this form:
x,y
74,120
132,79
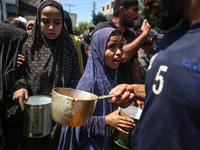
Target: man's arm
x,y
137,79
136,72
129,50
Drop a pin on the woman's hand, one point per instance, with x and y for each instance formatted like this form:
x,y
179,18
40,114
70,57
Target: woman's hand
x,y
20,59
19,96
119,122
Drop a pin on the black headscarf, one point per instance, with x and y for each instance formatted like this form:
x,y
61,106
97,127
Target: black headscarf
x,y
68,22
49,3
50,63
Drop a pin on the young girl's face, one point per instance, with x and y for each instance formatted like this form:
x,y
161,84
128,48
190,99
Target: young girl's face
x,y
51,22
113,52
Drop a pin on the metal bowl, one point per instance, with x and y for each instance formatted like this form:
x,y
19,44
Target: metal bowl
x,y
37,116
122,139
72,107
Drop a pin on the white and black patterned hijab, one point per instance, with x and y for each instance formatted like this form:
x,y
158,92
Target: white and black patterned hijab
x,y
50,63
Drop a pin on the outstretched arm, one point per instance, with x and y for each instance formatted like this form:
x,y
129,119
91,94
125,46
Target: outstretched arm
x,y
125,94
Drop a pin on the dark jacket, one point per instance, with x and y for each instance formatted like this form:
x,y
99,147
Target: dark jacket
x,y
11,41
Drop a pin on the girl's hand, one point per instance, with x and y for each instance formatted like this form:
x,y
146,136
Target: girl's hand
x,y
119,122
19,96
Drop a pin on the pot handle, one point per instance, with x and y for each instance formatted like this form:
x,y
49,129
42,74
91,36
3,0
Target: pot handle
x,y
106,97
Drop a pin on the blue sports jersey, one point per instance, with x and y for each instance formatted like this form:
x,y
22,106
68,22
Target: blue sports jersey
x,y
171,115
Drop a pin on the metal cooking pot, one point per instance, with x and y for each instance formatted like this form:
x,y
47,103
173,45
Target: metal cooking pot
x,y
37,120
123,139
73,107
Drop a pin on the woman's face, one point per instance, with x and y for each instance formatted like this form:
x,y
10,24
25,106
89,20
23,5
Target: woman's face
x,y
28,30
113,52
51,22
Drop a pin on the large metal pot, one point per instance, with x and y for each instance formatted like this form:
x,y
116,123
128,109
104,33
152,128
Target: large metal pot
x,y
37,120
123,139
72,107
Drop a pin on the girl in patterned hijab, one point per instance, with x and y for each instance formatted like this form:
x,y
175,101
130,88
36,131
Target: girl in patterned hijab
x,y
51,59
100,77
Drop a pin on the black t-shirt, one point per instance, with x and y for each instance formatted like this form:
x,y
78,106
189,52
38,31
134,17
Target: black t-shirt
x,y
125,70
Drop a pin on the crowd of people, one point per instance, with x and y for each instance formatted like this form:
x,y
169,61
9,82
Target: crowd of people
x,y
149,68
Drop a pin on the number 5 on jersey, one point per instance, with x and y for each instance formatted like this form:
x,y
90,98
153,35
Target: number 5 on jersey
x,y
160,79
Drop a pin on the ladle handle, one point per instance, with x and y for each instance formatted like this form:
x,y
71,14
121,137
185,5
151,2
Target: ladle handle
x,y
106,96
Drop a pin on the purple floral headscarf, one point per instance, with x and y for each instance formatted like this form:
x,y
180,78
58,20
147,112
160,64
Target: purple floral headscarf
x,y
97,79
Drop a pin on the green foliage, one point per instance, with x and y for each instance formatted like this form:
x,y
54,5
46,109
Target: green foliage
x,y
98,18
147,14
82,26
75,29
108,17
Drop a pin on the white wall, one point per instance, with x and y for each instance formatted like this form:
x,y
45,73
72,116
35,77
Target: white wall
x,y
107,8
